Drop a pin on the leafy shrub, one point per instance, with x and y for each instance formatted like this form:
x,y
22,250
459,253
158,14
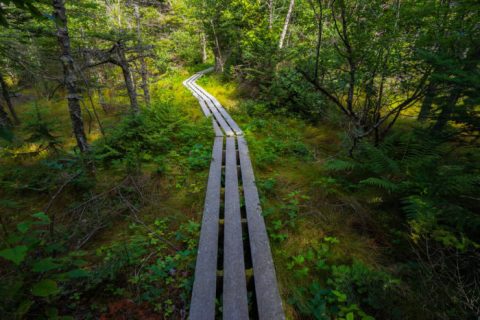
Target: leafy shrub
x,y
42,278
348,291
36,278
290,93
150,136
435,189
45,175
417,176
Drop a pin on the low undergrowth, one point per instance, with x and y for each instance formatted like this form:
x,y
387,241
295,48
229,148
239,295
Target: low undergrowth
x,y
114,233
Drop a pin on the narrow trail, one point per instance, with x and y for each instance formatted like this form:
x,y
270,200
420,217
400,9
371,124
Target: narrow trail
x,y
234,262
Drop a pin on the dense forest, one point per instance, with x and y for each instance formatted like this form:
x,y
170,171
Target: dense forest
x,y
363,122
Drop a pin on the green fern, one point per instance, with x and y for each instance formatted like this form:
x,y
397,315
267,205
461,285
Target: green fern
x,y
380,183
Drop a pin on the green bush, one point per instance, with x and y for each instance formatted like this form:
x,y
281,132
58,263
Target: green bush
x,y
150,136
418,173
350,291
43,278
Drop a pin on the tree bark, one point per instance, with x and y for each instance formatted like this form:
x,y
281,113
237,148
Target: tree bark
x,y
4,119
70,79
219,60
143,64
127,75
426,108
271,7
447,110
8,100
285,25
203,40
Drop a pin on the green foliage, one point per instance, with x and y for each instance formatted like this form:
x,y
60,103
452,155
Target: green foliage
x,y
348,291
40,130
433,186
152,266
26,5
285,216
289,93
35,269
283,143
150,136
44,176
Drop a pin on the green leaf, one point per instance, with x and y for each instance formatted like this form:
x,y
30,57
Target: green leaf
x,y
341,297
23,227
350,316
44,265
380,183
16,254
45,288
23,308
44,219
74,274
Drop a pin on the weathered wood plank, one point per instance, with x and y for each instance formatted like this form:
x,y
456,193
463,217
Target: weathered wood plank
x,y
221,121
199,92
268,298
224,113
202,305
210,107
216,129
221,112
235,304
205,109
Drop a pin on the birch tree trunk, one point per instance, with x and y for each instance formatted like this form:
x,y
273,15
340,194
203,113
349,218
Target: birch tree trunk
x,y
8,100
204,47
143,64
270,13
70,79
285,25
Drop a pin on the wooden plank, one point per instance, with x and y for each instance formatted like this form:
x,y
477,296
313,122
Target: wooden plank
x,y
269,302
202,305
205,109
221,109
216,129
198,92
225,114
228,118
235,304
218,115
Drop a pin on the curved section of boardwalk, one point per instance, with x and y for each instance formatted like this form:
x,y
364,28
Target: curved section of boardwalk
x,y
234,272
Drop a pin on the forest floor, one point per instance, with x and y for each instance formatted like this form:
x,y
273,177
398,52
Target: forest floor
x,y
307,221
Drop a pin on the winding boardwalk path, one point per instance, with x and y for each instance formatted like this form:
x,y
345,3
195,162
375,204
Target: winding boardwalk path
x,y
234,263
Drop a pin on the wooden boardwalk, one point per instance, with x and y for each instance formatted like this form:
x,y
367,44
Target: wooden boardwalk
x,y
234,273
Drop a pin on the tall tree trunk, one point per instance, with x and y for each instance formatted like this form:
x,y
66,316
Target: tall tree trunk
x,y
285,25
70,79
203,40
143,64
8,100
4,119
426,108
127,75
219,59
447,109
271,7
